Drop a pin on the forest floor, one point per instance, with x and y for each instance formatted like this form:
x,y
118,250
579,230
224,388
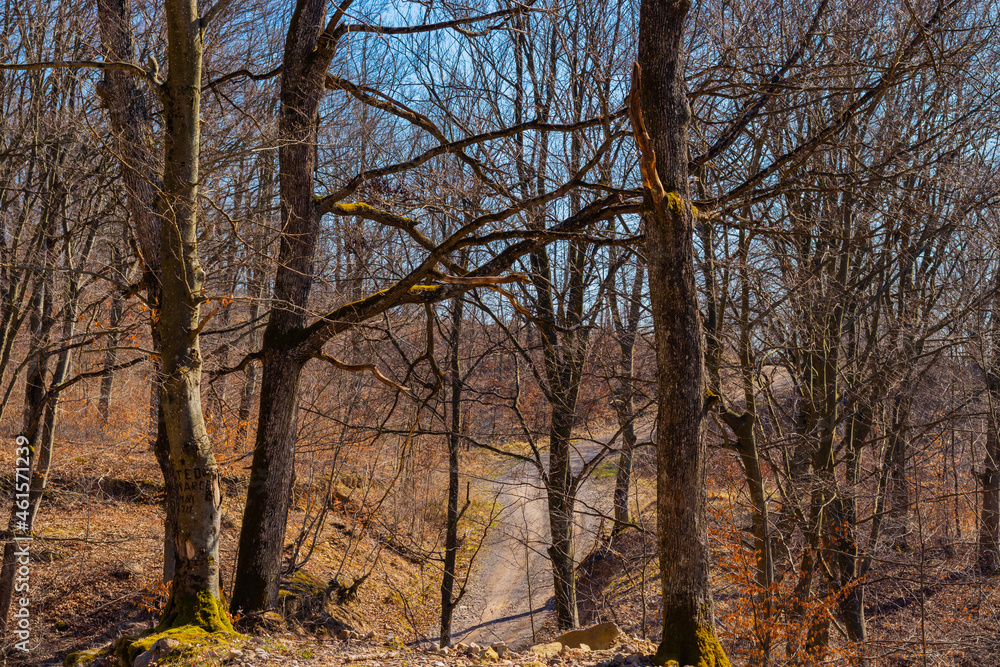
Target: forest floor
x,y
97,556
96,560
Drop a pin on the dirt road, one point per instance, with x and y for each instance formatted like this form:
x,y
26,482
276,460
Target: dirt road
x,y
511,583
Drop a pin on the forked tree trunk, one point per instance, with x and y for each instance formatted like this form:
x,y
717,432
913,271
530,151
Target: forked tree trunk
x,y
658,97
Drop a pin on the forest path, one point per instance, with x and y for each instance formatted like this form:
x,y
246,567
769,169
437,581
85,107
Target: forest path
x,y
510,588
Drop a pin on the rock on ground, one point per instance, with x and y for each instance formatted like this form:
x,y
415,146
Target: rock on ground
x,y
599,637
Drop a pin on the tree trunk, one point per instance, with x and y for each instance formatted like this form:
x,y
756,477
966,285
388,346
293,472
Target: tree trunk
x,y
562,497
132,126
130,120
17,527
847,547
448,600
624,400
40,324
851,598
623,479
195,596
111,352
563,356
658,98
18,524
258,569
988,560
161,450
897,494
246,396
989,522
262,536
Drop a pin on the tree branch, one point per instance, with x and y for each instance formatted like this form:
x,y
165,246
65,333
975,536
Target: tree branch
x,y
128,68
360,368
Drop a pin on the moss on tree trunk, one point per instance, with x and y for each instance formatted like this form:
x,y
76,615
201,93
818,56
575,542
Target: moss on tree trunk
x,y
200,608
696,645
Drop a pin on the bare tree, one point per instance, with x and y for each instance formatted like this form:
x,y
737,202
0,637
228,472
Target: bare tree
x,y
660,116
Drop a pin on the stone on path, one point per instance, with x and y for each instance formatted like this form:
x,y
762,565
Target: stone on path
x,y
549,650
161,648
598,637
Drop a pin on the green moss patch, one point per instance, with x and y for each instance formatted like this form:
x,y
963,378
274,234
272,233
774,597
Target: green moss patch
x,y
196,620
85,658
193,642
201,609
704,651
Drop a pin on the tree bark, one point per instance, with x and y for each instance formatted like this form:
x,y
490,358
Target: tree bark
x,y
262,536
161,451
659,99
